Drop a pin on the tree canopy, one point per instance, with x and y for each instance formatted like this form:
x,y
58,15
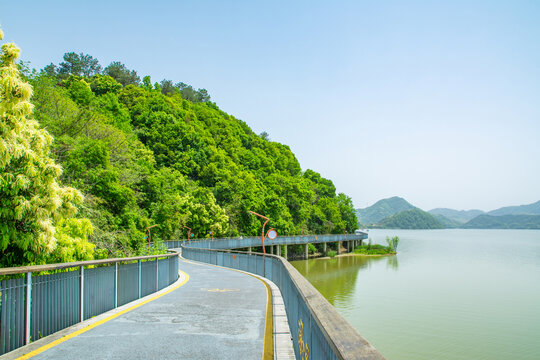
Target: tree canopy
x,y
33,202
160,154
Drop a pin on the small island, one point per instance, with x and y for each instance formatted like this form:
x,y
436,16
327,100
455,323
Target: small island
x,y
370,249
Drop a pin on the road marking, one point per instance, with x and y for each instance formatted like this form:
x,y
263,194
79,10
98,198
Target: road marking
x,y
268,344
97,323
268,352
221,290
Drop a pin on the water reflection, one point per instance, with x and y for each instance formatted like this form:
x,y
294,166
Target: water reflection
x,y
336,278
392,263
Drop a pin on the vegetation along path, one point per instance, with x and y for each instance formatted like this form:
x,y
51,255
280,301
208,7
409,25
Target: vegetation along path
x,y
217,313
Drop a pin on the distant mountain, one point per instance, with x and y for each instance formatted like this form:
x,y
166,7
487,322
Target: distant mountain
x,y
396,212
461,216
504,222
531,209
382,209
448,223
411,219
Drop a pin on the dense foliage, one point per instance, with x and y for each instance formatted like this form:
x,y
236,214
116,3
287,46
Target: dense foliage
x,y
411,219
163,154
382,209
36,214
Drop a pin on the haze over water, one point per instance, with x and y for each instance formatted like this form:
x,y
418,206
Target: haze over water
x,y
448,294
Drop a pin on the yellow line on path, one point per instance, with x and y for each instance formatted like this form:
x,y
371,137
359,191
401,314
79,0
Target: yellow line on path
x,y
97,323
268,345
268,348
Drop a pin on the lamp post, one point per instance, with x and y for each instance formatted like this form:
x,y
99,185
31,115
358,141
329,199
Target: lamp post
x,y
148,231
271,232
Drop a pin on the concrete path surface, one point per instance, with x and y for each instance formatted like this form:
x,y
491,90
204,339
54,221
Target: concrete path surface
x,y
217,314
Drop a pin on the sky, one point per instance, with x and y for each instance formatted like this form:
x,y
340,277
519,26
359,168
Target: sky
x,y
436,102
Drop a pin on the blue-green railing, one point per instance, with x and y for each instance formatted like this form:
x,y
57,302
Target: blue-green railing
x,y
34,306
249,241
317,329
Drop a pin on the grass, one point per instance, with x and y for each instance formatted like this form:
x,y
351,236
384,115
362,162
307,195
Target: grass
x,y
376,249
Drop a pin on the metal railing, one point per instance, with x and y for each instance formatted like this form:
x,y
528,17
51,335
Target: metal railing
x,y
318,330
34,306
244,242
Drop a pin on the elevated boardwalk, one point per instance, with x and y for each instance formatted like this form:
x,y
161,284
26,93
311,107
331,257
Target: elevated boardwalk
x,y
211,313
218,314
253,241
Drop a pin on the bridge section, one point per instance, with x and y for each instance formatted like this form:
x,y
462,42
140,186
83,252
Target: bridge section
x,y
254,241
317,329
217,314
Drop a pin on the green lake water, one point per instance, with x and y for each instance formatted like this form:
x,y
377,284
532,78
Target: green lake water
x,y
447,294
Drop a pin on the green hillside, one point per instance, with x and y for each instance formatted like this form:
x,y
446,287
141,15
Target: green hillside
x,y
163,154
504,222
530,209
461,216
411,219
382,209
447,223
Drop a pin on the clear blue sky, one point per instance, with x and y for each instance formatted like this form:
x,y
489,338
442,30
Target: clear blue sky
x,y
437,102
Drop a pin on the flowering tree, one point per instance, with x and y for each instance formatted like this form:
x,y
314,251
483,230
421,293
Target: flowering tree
x,y
31,200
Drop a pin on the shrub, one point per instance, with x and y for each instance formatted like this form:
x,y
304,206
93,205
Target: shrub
x,y
392,243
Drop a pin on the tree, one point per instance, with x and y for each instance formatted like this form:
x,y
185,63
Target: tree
x,y
50,70
204,96
79,65
103,84
31,200
167,87
265,136
122,74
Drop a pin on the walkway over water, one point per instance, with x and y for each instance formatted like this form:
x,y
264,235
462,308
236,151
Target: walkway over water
x,y
251,241
217,314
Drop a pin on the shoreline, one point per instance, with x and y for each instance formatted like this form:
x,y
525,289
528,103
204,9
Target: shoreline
x,y
347,254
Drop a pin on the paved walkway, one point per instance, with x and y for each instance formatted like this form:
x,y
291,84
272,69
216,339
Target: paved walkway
x,y
217,314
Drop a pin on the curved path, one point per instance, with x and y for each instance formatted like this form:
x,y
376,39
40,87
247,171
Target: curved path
x,y
217,314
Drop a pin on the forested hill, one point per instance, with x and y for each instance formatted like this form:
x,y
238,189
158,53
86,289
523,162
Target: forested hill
x,y
530,209
382,209
411,219
163,153
504,222
461,216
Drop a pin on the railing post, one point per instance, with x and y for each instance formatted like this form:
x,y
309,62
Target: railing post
x,y
28,306
139,279
115,285
81,271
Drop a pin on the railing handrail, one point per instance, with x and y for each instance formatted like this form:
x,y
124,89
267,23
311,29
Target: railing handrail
x,y
258,237
338,332
58,266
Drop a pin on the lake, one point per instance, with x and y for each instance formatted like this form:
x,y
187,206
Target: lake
x,y
447,294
